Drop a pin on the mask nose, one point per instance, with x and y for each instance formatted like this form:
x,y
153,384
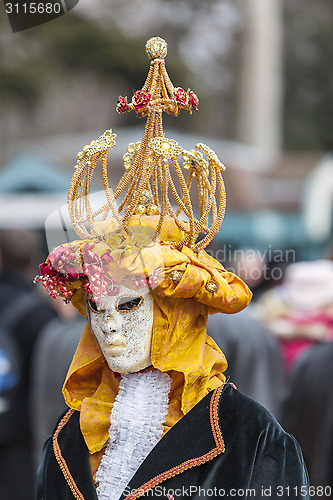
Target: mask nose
x,y
111,328
108,325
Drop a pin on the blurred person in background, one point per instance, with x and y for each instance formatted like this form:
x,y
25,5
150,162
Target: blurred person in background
x,y
9,403
55,346
308,413
23,314
251,264
254,360
299,312
253,355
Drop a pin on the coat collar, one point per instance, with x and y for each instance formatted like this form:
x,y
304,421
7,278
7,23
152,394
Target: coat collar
x,y
182,448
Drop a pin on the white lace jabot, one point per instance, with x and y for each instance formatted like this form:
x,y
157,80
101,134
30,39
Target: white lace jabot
x,y
137,418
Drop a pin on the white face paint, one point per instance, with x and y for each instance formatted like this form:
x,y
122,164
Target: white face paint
x,y
123,328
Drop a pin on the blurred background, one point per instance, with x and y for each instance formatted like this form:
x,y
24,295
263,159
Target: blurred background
x,y
263,72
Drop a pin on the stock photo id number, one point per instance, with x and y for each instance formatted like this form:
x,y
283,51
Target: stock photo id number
x,y
25,15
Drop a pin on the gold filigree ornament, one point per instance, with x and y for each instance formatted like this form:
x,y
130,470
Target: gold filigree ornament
x,y
211,155
167,148
132,150
161,178
194,159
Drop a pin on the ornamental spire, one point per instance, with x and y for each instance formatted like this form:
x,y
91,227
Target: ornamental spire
x,y
150,184
158,93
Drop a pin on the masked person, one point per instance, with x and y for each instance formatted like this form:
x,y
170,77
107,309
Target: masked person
x,y
151,411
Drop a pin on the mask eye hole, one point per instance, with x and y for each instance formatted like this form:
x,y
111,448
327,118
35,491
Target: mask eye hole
x,y
93,306
129,303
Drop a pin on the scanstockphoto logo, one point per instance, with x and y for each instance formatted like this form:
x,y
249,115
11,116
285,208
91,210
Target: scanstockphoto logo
x,y
25,14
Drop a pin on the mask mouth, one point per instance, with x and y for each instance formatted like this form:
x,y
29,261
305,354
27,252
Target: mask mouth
x,y
114,349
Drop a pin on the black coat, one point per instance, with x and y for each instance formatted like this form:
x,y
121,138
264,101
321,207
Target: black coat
x,y
227,445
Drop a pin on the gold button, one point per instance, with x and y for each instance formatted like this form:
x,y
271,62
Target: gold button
x,y
175,276
211,286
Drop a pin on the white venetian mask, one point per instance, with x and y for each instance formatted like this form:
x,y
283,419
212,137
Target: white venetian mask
x,y
123,328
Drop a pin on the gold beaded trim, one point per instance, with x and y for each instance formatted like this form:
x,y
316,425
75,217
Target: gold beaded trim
x,y
61,461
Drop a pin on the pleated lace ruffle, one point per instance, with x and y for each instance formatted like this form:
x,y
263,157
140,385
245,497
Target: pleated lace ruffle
x,y
137,418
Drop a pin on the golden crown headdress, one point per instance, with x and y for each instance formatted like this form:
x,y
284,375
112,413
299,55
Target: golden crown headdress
x,y
159,174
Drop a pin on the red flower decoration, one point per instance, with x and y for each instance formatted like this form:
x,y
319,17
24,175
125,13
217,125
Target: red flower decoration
x,y
180,96
194,101
106,257
47,270
62,260
122,104
54,283
140,99
99,282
